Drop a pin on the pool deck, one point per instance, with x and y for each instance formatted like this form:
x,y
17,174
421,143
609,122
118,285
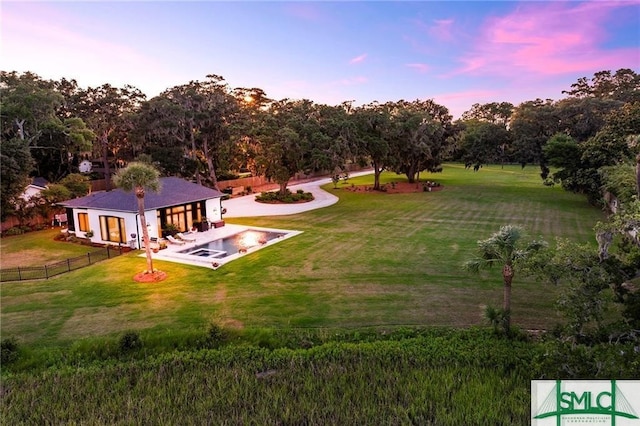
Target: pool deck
x,y
171,252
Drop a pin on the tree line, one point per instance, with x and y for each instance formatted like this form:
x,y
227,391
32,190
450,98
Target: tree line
x,y
206,131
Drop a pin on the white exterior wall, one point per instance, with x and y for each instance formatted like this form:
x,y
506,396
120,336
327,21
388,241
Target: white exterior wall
x,y
30,192
131,225
151,216
212,208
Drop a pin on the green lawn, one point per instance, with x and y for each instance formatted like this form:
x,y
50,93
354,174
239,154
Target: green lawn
x,y
371,259
37,249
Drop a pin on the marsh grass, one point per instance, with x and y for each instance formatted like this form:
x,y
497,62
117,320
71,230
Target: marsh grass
x,y
447,379
371,259
426,377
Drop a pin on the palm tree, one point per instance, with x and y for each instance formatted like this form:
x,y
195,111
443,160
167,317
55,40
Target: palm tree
x,y
136,177
503,248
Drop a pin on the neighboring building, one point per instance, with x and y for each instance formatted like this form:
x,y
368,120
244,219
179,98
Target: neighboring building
x,y
111,217
34,188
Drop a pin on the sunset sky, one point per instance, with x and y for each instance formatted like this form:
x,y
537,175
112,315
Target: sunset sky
x,y
457,53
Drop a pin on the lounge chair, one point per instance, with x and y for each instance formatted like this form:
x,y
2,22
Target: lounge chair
x,y
174,241
185,238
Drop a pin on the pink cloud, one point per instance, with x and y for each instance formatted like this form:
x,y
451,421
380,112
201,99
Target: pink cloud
x,y
442,29
358,59
421,68
441,32
546,39
304,11
459,102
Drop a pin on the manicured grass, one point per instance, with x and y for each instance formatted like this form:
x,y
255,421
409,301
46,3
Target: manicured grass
x,y
37,249
370,259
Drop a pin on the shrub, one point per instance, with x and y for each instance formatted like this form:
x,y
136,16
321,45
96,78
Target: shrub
x,y
287,197
130,341
170,229
77,184
14,231
577,361
216,335
497,317
8,350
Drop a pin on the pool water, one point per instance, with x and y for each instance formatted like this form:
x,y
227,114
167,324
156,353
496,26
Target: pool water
x,y
232,244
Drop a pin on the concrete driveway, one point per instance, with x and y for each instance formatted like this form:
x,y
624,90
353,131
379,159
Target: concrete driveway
x,y
247,206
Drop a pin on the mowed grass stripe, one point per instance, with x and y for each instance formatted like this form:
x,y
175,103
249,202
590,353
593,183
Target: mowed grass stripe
x,y
372,258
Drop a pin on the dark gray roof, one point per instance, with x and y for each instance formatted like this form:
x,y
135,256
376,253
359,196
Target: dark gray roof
x,y
39,182
174,191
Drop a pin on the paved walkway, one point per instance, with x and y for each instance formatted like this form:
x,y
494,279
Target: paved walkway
x,y
247,206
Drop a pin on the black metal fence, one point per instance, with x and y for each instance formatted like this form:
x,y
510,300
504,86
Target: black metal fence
x,y
57,268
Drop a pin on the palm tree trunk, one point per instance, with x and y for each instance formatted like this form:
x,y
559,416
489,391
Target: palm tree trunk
x,y
145,231
507,275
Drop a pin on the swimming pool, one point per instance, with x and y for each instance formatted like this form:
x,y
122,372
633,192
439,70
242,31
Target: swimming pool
x,y
233,244
225,244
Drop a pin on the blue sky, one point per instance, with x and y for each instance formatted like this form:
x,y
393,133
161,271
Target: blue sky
x,y
457,53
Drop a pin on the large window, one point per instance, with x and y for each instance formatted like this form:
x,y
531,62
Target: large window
x,y
181,216
112,229
83,222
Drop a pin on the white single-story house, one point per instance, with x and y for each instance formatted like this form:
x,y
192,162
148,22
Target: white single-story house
x,y
111,217
34,188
